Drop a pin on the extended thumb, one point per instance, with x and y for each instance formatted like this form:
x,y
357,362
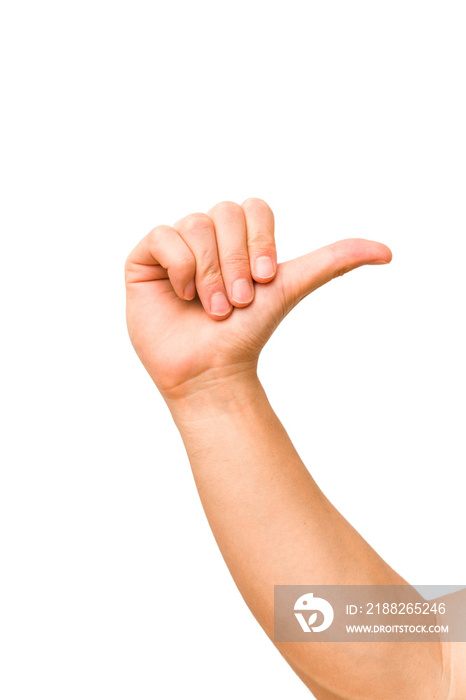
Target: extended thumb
x,y
303,275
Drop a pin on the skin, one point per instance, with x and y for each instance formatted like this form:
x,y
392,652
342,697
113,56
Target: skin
x,y
199,335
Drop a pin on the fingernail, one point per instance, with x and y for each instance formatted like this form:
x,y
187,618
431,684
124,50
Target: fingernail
x,y
190,291
264,267
379,262
219,304
241,291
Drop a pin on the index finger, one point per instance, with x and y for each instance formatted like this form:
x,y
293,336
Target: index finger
x,y
260,224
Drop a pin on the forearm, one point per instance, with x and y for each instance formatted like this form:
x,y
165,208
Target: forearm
x,y
274,526
265,510
203,297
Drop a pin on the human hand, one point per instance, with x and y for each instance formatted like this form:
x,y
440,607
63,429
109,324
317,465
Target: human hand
x,y
187,341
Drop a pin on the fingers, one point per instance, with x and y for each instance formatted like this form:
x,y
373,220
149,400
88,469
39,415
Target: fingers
x,y
161,254
220,254
246,246
261,242
198,232
232,243
233,246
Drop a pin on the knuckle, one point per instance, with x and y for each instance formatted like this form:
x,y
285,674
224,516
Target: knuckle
x,y
336,262
236,262
198,223
185,265
262,244
340,272
158,232
210,278
255,204
227,210
210,273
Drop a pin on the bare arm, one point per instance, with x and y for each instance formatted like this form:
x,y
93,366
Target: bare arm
x,y
274,526
272,523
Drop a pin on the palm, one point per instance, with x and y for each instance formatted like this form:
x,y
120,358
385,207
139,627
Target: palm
x,y
177,341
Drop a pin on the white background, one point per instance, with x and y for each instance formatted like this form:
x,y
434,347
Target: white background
x,y
348,118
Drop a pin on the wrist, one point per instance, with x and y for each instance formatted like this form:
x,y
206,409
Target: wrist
x,y
217,392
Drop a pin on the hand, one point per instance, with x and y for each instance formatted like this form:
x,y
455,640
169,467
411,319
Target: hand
x,y
228,257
